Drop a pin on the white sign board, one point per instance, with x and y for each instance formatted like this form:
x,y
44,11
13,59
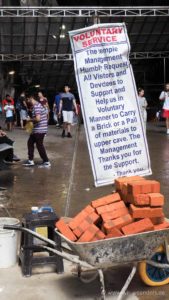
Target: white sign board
x,y
114,128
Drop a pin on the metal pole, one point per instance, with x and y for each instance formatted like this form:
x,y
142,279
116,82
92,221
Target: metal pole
x,y
164,63
69,192
103,292
144,79
129,279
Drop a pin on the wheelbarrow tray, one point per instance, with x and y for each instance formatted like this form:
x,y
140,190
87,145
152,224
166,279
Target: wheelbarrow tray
x,y
118,251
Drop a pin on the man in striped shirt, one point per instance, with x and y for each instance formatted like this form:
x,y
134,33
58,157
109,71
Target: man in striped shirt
x,y
40,127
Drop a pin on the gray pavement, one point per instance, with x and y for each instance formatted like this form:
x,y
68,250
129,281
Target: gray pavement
x,y
35,187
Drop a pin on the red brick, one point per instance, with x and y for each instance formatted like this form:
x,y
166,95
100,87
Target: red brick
x,y
138,198
156,212
115,214
129,198
138,227
156,199
119,181
157,220
114,233
89,234
136,188
81,228
124,220
110,207
88,209
144,187
77,219
94,239
99,235
141,199
92,218
123,197
124,189
118,223
106,200
108,226
164,225
155,186
123,192
65,230
80,217
139,212
145,212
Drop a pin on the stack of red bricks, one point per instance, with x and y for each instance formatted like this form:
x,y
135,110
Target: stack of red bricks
x,y
135,207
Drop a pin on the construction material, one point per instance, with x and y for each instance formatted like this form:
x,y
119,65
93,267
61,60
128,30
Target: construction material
x,y
135,207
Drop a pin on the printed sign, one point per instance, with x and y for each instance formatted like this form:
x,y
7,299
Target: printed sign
x,y
113,123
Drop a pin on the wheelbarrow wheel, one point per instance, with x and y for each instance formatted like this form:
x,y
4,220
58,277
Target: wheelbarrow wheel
x,y
154,276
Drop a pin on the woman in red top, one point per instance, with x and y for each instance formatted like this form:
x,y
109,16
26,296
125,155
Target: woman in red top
x,y
5,101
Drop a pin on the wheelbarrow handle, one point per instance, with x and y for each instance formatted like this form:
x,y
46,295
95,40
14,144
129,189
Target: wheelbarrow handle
x,y
29,231
69,257
13,227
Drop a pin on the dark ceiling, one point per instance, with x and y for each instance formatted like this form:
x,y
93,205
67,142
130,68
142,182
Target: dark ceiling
x,y
42,35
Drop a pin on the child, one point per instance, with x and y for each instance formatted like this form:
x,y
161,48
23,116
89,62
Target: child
x,y
143,105
9,112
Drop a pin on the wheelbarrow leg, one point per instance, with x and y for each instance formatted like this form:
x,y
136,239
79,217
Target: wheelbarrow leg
x,y
101,276
127,283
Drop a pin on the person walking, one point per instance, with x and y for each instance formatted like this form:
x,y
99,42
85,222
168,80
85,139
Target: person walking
x,y
67,103
164,96
21,106
56,106
143,105
40,125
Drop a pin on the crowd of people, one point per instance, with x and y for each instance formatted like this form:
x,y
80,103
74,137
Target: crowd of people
x,y
33,113
164,113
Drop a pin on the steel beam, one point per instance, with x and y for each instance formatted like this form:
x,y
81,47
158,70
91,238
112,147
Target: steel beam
x,y
98,11
69,57
149,55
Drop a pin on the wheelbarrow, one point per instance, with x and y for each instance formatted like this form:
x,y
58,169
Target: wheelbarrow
x,y
146,251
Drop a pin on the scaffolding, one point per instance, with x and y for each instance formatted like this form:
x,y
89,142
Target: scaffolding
x,y
69,57
68,12
156,49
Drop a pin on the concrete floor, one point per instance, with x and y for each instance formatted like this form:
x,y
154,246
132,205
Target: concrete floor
x,y
67,194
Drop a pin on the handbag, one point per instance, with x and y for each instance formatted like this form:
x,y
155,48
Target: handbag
x,y
29,127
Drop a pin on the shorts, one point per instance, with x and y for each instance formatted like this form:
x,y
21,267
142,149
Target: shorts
x,y
23,114
9,119
165,113
67,116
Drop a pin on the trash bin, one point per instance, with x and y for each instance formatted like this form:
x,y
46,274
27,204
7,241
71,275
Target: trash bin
x,y
8,243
